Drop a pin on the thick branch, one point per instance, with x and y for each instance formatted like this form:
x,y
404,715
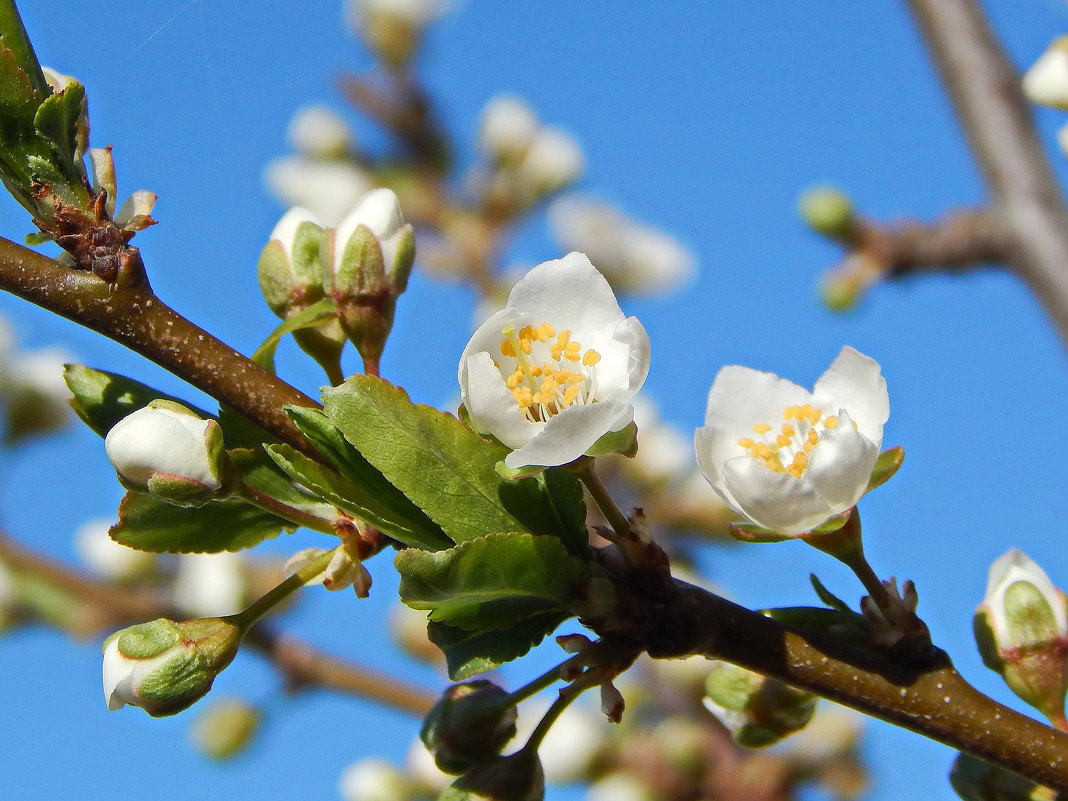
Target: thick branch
x,y
303,665
985,89
932,700
129,313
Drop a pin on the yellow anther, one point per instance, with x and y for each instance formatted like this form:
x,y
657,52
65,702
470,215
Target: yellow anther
x,y
831,422
788,430
507,349
761,428
524,343
576,378
563,338
746,443
812,414
545,330
807,447
812,437
514,380
570,394
548,387
591,358
800,460
763,451
782,441
792,413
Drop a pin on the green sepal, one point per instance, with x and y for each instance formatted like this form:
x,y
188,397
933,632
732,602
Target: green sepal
x,y
833,523
361,268
624,442
36,238
750,532
60,119
405,523
468,653
149,524
888,463
379,498
436,461
180,491
101,399
492,583
825,595
323,310
148,640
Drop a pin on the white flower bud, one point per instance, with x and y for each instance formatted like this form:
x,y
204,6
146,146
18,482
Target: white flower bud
x,y
1046,83
374,779
320,132
417,13
553,160
107,558
343,571
379,211
37,395
166,449
329,189
135,212
57,80
208,584
508,127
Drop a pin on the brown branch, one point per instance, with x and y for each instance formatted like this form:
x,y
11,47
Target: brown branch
x,y
303,665
129,313
932,699
995,115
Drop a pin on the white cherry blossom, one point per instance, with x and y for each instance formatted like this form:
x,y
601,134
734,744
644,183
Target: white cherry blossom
x,y
556,369
788,459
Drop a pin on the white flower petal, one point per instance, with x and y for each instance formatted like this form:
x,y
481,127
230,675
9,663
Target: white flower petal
x,y
714,446
855,382
569,434
775,501
490,402
741,397
571,294
841,464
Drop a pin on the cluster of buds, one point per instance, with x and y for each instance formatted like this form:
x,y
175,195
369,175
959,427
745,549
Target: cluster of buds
x,y
393,29
529,159
363,266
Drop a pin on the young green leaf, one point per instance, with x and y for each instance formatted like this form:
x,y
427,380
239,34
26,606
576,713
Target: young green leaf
x,y
442,466
491,583
403,522
468,653
57,120
316,314
149,524
101,399
260,472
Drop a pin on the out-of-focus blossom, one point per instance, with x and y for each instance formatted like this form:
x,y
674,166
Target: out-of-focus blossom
x,y
552,160
1046,82
208,584
107,558
342,572
36,396
424,770
374,779
320,132
328,189
507,128
634,257
226,728
619,787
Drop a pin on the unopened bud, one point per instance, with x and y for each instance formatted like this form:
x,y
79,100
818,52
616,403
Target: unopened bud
x,y
518,777
828,210
758,710
507,128
168,451
320,132
61,83
1021,628
976,780
1046,82
342,572
226,728
393,29
469,725
36,396
164,667
552,161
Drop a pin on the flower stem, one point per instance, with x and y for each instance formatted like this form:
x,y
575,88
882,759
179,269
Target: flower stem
x,y
266,602
540,683
276,507
616,519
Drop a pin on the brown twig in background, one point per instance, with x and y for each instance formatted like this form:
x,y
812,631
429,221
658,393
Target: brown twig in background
x,y
303,666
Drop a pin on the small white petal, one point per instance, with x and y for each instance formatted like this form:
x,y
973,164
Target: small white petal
x,y
570,433
508,127
841,464
491,405
775,501
1046,82
855,382
320,132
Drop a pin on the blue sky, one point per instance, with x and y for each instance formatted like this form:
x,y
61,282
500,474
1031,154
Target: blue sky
x,y
704,119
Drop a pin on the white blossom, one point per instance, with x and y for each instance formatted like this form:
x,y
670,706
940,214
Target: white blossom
x,y
108,558
552,160
417,13
374,779
1046,82
788,459
507,128
380,211
328,189
319,132
556,369
210,584
1012,568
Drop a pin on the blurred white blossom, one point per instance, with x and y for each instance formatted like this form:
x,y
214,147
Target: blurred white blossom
x,y
107,558
319,132
507,127
552,160
1046,82
374,779
634,257
327,189
619,787
209,584
424,770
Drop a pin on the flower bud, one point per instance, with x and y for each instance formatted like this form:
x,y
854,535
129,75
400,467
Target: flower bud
x,y
36,395
319,132
975,780
759,711
210,584
60,83
518,777
342,572
552,161
170,452
226,728
368,261
393,29
1021,628
1046,82
507,128
469,725
374,779
108,558
828,210
164,667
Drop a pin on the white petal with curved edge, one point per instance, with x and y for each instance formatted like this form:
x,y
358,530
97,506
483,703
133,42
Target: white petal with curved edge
x,y
571,433
569,293
490,403
714,446
775,501
840,465
741,397
855,382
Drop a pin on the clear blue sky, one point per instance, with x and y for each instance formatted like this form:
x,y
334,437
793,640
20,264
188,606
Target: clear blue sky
x,y
704,118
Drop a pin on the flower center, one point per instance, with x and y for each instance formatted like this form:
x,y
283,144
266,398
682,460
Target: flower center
x,y
551,372
787,450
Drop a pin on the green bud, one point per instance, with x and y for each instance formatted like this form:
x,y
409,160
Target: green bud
x,y
759,711
163,666
518,777
976,780
469,725
226,728
828,211
1021,628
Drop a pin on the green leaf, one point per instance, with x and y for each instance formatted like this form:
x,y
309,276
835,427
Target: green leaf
x,y
101,399
624,441
567,500
442,466
57,120
405,522
316,314
825,595
260,472
468,653
491,583
888,463
149,524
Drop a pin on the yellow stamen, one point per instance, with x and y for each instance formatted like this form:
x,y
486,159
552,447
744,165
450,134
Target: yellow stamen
x,y
761,428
